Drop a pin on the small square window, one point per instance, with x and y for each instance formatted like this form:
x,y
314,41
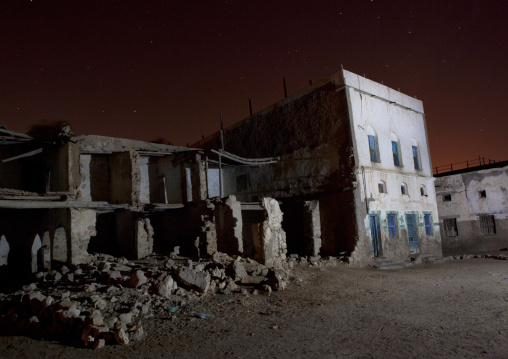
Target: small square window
x,y
482,194
381,187
447,198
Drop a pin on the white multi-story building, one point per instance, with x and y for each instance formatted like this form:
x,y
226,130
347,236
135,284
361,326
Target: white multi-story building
x,y
357,148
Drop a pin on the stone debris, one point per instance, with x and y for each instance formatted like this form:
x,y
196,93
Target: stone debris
x,y
105,301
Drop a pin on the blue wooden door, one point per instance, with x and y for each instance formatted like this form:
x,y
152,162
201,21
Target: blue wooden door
x,y
374,231
412,232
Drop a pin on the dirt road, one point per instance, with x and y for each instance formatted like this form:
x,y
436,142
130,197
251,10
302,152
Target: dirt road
x,y
455,309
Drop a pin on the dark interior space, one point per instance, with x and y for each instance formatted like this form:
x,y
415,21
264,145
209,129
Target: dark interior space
x,y
292,224
106,240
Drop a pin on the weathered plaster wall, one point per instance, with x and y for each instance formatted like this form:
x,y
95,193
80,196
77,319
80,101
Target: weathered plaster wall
x,y
303,172
467,205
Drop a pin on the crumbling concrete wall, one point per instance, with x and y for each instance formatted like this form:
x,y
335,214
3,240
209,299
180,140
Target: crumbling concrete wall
x,y
82,227
228,215
206,241
269,237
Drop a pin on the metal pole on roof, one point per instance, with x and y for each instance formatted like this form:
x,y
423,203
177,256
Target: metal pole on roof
x,y
220,157
221,132
220,175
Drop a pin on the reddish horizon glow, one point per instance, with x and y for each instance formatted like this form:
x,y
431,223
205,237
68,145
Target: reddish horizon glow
x,y
152,69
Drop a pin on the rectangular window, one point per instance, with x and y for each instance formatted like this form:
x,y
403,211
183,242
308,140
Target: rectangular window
x,y
428,224
450,227
415,158
447,198
392,224
395,150
374,155
482,194
487,225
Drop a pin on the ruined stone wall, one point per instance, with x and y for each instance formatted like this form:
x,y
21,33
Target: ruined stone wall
x,y
269,237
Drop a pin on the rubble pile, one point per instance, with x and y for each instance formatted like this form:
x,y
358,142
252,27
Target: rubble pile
x,y
105,300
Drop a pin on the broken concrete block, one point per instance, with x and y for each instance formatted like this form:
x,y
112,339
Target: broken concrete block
x,y
137,279
121,337
237,270
197,280
166,287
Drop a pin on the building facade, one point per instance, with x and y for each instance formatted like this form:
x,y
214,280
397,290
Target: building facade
x,y
355,147
473,209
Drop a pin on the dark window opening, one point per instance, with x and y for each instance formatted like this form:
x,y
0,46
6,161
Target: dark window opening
x,y
482,194
447,198
487,224
450,227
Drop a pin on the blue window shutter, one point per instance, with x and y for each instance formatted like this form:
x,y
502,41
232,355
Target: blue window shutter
x,y
395,150
373,148
415,158
392,225
428,222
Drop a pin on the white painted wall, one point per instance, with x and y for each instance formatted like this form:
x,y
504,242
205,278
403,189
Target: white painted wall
x,y
375,108
144,183
388,112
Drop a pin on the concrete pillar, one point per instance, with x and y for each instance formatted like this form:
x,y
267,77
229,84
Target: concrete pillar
x,y
85,189
312,227
269,237
228,219
198,179
125,169
82,227
4,251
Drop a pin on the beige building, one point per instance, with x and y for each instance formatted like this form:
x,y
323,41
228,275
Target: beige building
x,y
473,209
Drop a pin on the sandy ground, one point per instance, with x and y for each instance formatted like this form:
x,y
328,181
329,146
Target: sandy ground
x,y
449,310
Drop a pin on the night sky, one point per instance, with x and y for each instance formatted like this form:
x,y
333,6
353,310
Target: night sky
x,y
166,69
